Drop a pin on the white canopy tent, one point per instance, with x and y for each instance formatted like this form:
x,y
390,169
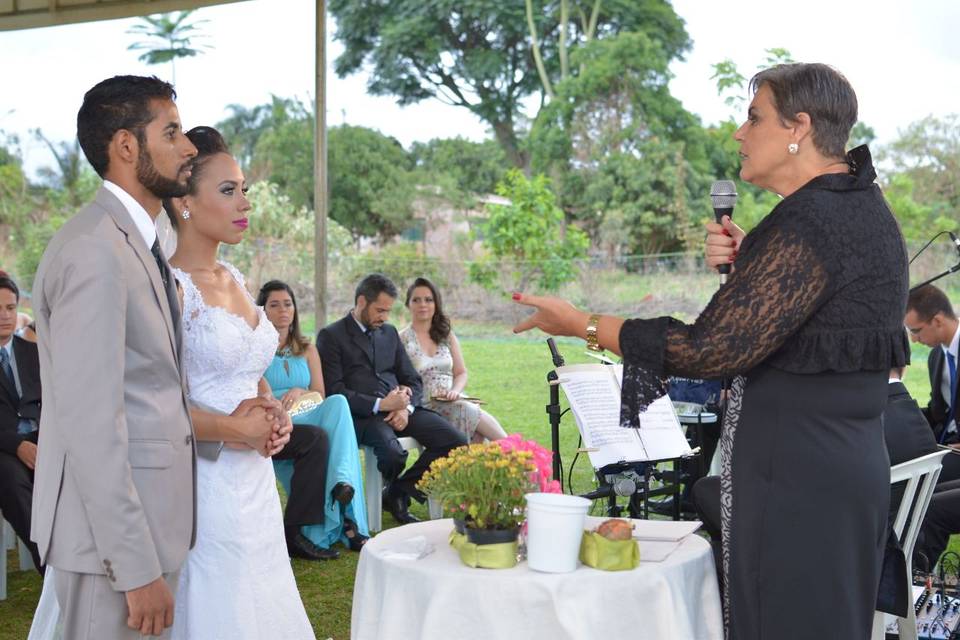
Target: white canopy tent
x,y
31,14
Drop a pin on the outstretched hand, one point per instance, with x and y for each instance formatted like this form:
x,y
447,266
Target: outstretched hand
x,y
723,242
554,316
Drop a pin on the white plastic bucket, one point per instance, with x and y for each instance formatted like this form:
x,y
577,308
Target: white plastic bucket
x,y
554,529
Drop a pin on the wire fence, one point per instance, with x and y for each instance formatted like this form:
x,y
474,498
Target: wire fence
x,y
677,284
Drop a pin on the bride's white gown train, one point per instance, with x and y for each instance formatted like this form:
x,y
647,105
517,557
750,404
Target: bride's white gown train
x,y
237,582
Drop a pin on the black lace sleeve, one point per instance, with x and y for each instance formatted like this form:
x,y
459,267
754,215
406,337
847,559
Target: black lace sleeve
x,y
779,281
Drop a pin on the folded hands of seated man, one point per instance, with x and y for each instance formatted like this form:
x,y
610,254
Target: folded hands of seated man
x,y
395,404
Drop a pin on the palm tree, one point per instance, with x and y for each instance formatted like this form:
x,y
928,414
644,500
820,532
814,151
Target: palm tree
x,y
170,36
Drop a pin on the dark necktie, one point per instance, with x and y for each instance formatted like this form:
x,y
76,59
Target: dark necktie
x,y
952,413
155,250
7,369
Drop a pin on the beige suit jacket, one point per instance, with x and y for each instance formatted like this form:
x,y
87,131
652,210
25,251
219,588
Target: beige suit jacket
x,y
114,490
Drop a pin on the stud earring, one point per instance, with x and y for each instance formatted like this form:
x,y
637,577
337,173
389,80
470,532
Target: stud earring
x,y
793,148
185,215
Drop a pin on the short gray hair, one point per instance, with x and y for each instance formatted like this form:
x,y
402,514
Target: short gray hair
x,y
818,90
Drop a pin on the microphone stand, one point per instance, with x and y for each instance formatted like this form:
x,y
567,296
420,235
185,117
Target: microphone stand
x,y
952,269
553,409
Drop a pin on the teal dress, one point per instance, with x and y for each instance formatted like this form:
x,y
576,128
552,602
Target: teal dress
x,y
333,416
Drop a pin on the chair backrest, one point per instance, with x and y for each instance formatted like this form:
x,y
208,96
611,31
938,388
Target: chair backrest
x,y
921,476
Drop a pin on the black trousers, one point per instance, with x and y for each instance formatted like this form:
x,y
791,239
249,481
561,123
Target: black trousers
x,y
309,449
16,495
940,522
437,437
950,471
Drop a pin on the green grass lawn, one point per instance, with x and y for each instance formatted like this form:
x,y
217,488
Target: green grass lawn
x,y
509,373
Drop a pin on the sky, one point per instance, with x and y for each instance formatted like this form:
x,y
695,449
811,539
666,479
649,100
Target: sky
x,y
903,59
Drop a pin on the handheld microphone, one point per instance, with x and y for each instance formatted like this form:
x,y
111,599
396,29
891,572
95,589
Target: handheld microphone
x,y
723,195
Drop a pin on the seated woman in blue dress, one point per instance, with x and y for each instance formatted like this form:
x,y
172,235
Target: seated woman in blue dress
x,y
296,371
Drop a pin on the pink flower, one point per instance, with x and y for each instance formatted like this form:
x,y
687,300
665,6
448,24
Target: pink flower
x,y
542,458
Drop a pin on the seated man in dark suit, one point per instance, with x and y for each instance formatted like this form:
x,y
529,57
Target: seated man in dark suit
x,y
931,321
19,417
364,360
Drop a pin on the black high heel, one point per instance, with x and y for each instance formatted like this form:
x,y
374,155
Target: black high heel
x,y
355,539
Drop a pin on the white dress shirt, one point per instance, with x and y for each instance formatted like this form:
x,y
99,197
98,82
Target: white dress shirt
x,y
146,225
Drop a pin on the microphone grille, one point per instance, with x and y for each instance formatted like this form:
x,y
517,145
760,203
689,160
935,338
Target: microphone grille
x,y
723,194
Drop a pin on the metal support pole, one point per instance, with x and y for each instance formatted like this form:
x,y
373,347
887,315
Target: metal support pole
x,y
320,170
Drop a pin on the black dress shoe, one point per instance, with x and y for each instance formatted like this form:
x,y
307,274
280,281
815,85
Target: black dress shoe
x,y
299,546
397,503
342,492
355,539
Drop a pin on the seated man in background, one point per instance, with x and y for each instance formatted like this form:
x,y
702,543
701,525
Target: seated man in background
x,y
932,322
364,360
19,417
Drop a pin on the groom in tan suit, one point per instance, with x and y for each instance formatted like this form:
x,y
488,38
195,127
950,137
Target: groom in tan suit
x,y
114,500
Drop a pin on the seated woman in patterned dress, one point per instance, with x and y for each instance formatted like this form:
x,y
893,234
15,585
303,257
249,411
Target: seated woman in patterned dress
x,y
435,353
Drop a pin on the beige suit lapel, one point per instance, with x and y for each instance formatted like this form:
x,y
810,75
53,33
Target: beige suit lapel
x,y
124,222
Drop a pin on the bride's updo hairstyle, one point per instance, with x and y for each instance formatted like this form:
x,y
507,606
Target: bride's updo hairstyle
x,y
209,143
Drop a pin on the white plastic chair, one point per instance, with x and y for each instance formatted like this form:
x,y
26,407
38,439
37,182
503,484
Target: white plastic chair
x,y
9,540
921,475
373,486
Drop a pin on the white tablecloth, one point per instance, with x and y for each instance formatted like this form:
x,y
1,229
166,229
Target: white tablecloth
x,y
439,597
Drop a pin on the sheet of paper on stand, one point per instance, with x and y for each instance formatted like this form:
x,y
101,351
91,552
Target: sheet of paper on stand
x,y
593,391
410,549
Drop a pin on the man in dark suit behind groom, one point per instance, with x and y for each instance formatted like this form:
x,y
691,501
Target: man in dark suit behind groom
x,y
364,360
19,416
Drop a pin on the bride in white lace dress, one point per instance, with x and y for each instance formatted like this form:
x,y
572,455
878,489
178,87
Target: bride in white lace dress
x,y
237,582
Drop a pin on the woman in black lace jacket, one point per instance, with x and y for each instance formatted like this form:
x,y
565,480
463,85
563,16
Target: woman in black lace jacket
x,y
808,326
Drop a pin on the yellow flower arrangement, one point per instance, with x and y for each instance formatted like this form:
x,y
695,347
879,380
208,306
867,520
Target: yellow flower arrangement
x,y
483,484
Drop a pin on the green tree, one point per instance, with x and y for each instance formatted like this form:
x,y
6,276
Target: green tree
x,y
475,167
918,221
284,155
72,181
478,55
279,242
861,133
929,152
371,185
733,85
618,144
526,241
170,36
244,126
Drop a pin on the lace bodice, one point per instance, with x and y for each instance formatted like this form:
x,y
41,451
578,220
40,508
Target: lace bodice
x,y
223,356
436,371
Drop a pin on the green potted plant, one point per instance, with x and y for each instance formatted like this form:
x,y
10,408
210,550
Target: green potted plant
x,y
483,485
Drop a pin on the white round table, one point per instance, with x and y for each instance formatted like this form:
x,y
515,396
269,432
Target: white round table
x,y
439,597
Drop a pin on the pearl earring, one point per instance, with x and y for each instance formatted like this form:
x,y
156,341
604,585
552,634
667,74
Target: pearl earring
x,y
186,213
793,148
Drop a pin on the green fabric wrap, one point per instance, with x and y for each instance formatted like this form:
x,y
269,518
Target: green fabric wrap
x,y
488,556
608,555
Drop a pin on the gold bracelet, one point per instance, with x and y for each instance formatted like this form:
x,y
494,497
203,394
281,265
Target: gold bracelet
x,y
593,343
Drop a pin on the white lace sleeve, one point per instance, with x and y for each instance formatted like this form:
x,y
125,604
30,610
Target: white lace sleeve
x,y
192,299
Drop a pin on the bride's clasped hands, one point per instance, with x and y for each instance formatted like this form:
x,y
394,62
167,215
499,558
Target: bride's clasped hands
x,y
261,423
